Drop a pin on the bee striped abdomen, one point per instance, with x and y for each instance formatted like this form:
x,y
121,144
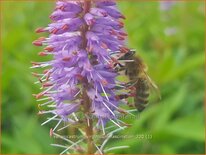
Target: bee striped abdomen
x,y
142,94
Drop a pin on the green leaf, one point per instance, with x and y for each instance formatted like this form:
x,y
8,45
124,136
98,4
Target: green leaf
x,y
189,127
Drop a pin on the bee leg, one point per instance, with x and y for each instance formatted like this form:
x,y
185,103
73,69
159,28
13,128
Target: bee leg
x,y
140,107
119,67
119,87
131,83
140,104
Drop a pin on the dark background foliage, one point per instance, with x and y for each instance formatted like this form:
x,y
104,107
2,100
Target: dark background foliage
x,y
171,43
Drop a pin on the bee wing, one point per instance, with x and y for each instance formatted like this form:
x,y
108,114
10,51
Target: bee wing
x,y
153,85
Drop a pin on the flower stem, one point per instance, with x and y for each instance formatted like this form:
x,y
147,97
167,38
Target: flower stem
x,y
88,124
87,102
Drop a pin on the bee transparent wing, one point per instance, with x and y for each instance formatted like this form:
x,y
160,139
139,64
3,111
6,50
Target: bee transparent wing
x,y
153,86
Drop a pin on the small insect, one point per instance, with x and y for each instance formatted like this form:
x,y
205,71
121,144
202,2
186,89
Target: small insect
x,y
136,71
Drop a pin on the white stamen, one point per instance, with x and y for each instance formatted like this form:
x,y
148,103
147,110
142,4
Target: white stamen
x,y
47,98
67,140
118,108
49,120
57,145
108,108
46,103
51,106
64,47
39,81
47,112
102,127
39,74
91,75
48,89
104,92
77,93
75,117
68,81
55,91
130,113
87,120
99,76
57,124
105,141
109,136
64,127
116,130
96,91
55,119
98,148
106,60
112,104
50,71
116,147
116,52
132,110
121,121
126,60
70,146
42,66
116,123
109,127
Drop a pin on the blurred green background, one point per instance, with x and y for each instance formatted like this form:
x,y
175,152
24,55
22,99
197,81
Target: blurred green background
x,y
170,41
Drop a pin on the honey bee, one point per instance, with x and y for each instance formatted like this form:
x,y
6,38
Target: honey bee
x,y
136,71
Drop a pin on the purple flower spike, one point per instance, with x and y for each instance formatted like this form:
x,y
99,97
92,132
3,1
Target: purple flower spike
x,y
81,78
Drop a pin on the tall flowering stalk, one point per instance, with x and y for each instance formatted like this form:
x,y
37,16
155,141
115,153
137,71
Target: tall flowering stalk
x,y
86,38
